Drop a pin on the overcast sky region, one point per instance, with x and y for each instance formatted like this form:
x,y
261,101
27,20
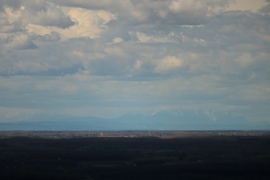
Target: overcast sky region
x,y
110,57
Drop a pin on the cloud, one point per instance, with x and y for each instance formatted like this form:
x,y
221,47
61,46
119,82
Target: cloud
x,y
125,55
22,13
265,9
49,16
88,23
7,26
168,38
246,5
117,40
10,3
9,21
54,36
183,12
19,42
168,64
153,13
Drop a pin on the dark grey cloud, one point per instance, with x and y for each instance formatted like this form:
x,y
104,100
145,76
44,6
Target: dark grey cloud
x,y
265,9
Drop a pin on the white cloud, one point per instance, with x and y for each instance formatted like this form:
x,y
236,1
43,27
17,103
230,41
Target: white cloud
x,y
144,38
168,64
117,40
88,23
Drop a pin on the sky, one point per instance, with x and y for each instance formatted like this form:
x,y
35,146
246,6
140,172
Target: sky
x,y
107,58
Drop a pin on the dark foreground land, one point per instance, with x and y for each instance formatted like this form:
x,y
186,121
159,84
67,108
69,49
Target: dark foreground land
x,y
188,157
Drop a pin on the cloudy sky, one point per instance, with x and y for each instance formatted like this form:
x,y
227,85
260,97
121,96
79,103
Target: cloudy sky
x,y
110,57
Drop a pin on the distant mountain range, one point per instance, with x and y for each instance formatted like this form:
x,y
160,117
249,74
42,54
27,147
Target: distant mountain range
x,y
176,119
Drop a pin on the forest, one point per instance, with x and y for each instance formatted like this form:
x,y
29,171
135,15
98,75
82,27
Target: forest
x,y
212,157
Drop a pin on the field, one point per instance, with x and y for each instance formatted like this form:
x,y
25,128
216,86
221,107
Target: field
x,y
192,155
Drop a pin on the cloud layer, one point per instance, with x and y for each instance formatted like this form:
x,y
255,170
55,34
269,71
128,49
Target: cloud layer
x,y
110,57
